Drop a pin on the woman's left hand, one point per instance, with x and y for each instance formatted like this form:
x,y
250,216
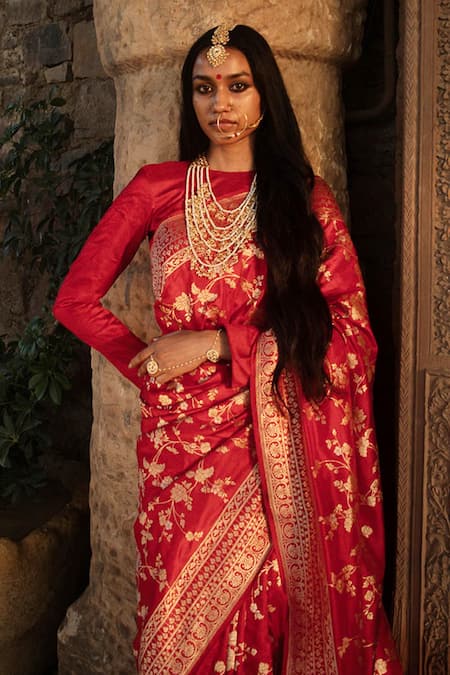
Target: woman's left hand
x,y
177,353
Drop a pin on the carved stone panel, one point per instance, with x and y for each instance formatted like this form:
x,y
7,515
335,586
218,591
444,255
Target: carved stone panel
x,y
436,602
422,613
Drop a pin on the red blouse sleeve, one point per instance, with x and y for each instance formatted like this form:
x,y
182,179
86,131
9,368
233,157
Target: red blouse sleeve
x,y
106,253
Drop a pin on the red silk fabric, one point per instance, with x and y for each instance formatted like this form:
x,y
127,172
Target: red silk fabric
x,y
259,533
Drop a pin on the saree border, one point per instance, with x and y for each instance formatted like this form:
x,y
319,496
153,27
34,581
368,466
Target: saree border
x,y
209,586
311,649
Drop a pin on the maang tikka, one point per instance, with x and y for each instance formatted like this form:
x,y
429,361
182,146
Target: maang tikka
x,y
217,53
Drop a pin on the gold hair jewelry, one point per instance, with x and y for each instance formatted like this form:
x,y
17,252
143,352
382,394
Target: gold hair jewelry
x,y
217,53
152,366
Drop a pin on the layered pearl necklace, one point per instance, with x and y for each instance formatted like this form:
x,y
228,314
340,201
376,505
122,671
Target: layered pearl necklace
x,y
215,233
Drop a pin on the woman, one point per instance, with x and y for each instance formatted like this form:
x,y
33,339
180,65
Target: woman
x,y
259,532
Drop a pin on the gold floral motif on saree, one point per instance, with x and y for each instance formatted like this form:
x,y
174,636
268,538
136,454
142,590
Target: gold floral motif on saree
x,y
311,642
209,585
170,250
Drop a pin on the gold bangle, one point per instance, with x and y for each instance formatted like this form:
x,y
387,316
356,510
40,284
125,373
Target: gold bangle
x,y
213,354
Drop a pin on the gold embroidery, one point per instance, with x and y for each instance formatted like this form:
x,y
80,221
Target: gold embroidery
x,y
169,251
311,643
209,585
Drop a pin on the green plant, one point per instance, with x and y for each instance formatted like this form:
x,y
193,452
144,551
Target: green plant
x,y
51,206
33,377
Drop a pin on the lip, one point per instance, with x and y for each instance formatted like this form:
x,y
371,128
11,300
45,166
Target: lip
x,y
223,122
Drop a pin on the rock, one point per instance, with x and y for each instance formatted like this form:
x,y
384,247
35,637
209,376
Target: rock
x,y
10,39
39,576
26,11
47,46
9,76
61,73
94,110
64,7
86,61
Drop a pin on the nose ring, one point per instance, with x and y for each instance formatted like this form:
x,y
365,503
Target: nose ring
x,y
237,133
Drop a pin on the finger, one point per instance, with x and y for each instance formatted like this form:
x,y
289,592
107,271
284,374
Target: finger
x,y
163,378
140,357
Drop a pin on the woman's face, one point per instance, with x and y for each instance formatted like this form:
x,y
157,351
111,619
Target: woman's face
x,y
229,91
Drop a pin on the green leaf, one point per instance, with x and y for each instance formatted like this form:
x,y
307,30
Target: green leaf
x,y
55,393
8,423
34,381
4,452
41,388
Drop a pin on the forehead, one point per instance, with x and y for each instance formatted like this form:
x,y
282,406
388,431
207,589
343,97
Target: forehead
x,y
236,62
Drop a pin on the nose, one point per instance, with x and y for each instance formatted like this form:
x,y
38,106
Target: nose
x,y
221,100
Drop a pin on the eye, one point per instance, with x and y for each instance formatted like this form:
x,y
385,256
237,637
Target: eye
x,y
203,89
239,86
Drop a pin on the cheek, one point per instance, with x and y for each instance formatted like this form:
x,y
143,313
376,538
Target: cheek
x,y
199,108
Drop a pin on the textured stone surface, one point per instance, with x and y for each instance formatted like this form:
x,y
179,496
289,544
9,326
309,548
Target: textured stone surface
x,y
422,614
86,61
39,576
26,11
142,44
47,45
64,7
61,73
20,294
95,101
9,76
130,32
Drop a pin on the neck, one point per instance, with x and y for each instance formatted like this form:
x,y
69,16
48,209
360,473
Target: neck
x,y
237,156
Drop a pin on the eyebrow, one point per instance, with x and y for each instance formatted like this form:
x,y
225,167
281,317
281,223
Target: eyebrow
x,y
227,77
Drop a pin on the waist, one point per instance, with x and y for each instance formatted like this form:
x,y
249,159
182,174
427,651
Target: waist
x,y
206,389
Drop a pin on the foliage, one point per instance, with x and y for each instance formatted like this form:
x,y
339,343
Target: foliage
x,y
33,373
51,205
52,209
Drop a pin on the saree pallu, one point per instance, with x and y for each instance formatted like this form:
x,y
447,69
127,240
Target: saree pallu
x,y
260,537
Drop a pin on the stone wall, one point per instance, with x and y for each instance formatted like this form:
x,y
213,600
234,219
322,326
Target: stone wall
x,y
50,45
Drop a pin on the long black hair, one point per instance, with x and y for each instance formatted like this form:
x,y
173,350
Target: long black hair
x,y
288,232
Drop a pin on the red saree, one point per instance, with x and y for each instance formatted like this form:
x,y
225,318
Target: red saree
x,y
259,532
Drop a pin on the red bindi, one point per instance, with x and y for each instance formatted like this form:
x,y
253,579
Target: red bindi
x,y
218,76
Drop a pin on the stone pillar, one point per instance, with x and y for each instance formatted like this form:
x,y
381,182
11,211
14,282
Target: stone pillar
x,y
142,44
